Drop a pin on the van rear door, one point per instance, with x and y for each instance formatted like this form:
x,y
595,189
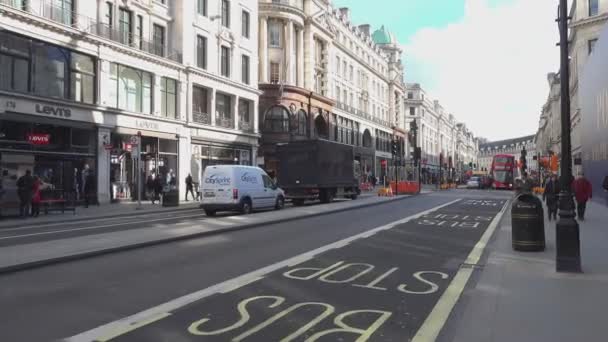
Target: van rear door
x,y
218,183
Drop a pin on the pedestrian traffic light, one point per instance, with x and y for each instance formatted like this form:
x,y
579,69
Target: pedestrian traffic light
x,y
395,147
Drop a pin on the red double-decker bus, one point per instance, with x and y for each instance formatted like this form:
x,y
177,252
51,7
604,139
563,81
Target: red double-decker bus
x,y
502,171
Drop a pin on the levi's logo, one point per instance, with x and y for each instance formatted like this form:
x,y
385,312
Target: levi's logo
x,y
55,111
39,139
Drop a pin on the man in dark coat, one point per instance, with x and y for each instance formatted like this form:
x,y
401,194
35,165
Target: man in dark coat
x,y
90,189
550,194
25,185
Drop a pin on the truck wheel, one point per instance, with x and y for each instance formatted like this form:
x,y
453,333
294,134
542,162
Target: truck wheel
x,y
246,207
209,212
326,196
297,202
280,203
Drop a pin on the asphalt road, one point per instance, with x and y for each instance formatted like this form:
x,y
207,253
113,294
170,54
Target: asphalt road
x,y
66,299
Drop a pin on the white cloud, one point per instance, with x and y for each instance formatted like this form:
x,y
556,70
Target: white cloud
x,y
489,69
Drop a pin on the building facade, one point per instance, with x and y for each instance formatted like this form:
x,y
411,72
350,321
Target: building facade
x,y
322,77
588,19
82,80
512,147
442,139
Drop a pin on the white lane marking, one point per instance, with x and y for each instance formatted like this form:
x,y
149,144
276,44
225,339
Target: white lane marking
x,y
238,286
174,304
95,227
134,326
92,219
435,321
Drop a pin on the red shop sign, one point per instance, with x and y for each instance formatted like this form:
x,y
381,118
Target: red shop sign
x,y
39,138
383,162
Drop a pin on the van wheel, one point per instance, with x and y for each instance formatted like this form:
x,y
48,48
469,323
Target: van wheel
x,y
297,202
209,212
354,197
246,207
280,203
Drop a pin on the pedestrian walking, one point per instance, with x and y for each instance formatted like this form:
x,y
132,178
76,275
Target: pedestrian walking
x,y
550,194
150,188
605,186
158,188
189,187
25,186
90,189
583,192
37,187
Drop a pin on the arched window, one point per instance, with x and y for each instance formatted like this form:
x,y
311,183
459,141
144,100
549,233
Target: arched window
x,y
367,139
299,123
321,127
276,120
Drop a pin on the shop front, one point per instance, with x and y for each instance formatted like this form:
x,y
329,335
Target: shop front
x,y
61,153
158,157
207,153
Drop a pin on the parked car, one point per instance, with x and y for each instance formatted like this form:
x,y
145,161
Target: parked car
x,y
474,183
239,188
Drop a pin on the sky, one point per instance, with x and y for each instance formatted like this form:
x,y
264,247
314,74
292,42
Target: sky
x,y
486,61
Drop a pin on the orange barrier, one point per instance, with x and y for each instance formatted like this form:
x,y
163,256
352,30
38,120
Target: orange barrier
x,y
386,192
405,187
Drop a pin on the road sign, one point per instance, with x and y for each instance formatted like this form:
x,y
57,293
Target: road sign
x,y
134,140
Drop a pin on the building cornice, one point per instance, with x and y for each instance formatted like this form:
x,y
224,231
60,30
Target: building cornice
x,y
223,80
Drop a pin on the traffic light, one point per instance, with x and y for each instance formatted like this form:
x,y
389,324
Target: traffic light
x,y
395,147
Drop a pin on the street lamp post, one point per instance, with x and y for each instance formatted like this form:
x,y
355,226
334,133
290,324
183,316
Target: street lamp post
x,y
568,256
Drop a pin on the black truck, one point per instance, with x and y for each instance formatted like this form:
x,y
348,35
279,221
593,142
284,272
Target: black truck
x,y
317,169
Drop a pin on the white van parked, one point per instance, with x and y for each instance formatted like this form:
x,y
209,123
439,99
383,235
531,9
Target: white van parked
x,y
240,188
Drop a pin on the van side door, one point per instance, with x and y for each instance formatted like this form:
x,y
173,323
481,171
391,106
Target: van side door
x,y
268,191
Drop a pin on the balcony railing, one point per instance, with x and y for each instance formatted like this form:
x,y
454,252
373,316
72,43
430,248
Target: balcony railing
x,y
293,3
201,118
362,114
245,126
65,16
224,122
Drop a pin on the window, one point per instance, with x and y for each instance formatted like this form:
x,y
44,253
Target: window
x,y
14,62
225,13
168,97
276,120
245,69
274,33
61,12
139,29
275,72
50,71
338,65
223,106
338,94
591,44
82,78
159,40
225,61
109,16
133,89
302,123
344,66
244,115
201,52
199,100
245,24
593,7
201,7
352,73
412,111
124,26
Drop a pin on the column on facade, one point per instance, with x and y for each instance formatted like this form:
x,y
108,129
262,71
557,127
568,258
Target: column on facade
x,y
288,65
212,105
103,166
309,57
300,57
255,118
263,50
185,156
156,96
235,107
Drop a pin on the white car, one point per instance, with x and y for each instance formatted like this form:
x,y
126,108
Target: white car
x,y
238,188
474,183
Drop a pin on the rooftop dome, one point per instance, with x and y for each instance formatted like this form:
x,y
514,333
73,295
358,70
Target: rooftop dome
x,y
383,36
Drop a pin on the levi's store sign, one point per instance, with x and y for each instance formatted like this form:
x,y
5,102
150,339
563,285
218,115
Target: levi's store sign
x,y
39,138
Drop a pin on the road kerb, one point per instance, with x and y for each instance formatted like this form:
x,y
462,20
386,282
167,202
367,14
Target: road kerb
x,y
433,324
103,251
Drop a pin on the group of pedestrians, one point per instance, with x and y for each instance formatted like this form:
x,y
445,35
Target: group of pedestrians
x,y
154,188
28,190
582,189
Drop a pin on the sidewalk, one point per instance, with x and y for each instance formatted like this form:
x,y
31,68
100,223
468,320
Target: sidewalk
x,y
23,256
94,211
520,297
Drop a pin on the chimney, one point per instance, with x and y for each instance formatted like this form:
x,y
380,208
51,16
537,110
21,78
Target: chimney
x,y
365,29
345,12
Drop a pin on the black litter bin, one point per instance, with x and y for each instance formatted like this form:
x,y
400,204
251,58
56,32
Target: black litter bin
x,y
528,224
170,197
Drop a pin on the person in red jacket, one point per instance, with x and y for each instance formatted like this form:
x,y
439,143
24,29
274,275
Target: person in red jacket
x,y
583,193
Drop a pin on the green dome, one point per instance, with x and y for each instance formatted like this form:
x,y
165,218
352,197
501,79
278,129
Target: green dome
x,y
383,36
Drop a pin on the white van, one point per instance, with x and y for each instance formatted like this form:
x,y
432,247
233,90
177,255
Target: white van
x,y
241,188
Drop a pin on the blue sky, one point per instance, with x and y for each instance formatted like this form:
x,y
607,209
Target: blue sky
x,y
486,61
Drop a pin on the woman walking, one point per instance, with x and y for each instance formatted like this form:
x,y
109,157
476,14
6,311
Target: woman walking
x,y
36,197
